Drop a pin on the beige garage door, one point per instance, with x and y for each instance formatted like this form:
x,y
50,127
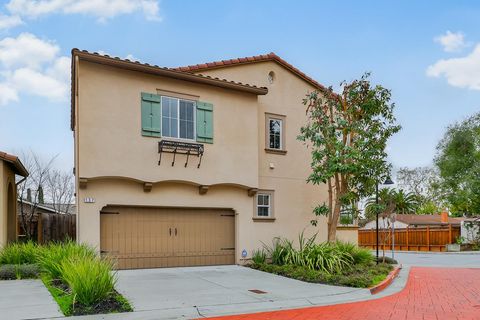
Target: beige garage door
x,y
137,237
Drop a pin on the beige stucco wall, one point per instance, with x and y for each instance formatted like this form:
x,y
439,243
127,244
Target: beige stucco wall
x,y
294,198
7,176
116,159
348,234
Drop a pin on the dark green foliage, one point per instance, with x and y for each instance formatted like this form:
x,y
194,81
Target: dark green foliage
x,y
392,201
28,271
458,160
8,272
21,271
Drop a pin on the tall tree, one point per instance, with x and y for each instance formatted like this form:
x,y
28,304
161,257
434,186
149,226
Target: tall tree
x,y
424,183
458,160
348,133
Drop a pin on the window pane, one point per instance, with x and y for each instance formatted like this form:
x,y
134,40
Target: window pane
x,y
183,110
173,127
262,211
165,127
190,111
190,130
186,119
275,132
275,126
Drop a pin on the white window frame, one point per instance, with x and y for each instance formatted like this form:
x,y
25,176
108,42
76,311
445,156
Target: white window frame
x,y
270,119
269,206
178,118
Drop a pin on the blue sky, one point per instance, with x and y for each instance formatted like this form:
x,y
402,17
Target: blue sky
x,y
425,51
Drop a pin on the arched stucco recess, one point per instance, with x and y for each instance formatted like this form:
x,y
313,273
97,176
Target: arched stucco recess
x,y
186,182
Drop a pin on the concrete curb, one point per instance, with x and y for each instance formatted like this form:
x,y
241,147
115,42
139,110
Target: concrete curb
x,y
388,280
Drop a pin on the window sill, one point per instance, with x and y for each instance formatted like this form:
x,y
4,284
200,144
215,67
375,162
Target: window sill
x,y
263,219
275,151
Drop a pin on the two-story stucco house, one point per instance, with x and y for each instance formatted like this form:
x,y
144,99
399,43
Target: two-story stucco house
x,y
191,166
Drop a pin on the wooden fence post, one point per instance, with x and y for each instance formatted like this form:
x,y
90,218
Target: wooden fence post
x,y
428,237
450,233
408,247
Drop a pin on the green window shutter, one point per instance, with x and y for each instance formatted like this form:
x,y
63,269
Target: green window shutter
x,y
151,117
204,122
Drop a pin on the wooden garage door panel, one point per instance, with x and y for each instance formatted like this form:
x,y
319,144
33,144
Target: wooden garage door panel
x,y
167,237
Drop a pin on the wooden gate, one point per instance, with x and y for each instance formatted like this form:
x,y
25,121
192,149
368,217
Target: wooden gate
x,y
411,239
56,227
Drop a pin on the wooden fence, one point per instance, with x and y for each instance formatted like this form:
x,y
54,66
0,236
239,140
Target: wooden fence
x,y
411,239
56,227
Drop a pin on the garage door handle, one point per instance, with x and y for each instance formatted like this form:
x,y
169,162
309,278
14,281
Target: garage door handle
x,y
170,231
175,231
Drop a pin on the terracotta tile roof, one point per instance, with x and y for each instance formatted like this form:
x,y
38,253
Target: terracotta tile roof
x,y
426,219
154,69
18,167
260,58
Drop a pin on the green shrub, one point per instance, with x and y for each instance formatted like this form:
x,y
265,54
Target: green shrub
x,y
359,255
90,279
387,260
20,253
27,271
54,254
279,250
8,272
259,256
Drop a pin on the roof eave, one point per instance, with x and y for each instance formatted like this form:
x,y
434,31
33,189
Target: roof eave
x,y
155,70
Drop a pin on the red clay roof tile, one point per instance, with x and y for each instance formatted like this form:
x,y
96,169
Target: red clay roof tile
x,y
259,58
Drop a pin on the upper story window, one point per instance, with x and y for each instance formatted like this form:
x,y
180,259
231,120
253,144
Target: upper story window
x,y
275,133
181,118
178,118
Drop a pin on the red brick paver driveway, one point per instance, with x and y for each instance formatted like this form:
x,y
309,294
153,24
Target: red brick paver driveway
x,y
430,293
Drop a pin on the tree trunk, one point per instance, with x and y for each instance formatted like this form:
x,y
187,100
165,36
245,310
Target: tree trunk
x,y
332,232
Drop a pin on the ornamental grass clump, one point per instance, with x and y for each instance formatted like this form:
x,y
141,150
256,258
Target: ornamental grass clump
x,y
330,258
91,280
20,253
359,255
54,254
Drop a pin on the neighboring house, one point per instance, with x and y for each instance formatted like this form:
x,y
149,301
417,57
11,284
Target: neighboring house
x,y
10,166
198,165
403,221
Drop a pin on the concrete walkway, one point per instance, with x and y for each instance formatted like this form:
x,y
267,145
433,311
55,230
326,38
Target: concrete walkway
x,y
26,299
186,293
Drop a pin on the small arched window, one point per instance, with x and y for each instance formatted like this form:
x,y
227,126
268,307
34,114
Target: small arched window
x,y
271,77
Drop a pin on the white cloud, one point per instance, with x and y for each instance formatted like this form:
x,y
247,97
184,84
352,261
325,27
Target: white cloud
x,y
33,66
7,22
26,50
452,41
460,72
101,9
